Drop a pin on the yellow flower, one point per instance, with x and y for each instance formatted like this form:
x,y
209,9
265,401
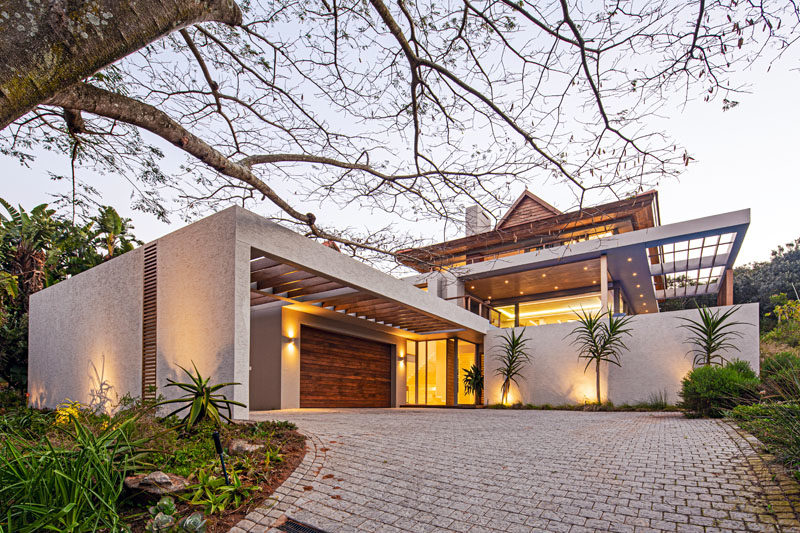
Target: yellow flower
x,y
67,410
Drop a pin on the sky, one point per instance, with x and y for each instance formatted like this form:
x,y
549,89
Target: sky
x,y
744,158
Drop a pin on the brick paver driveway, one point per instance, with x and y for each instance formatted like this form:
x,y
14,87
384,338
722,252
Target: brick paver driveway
x,y
487,470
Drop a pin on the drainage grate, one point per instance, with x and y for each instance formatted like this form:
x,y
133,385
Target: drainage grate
x,y
293,526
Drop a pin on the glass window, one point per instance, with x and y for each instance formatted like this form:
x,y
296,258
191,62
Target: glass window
x,y
557,310
436,380
411,372
507,316
411,379
466,358
422,371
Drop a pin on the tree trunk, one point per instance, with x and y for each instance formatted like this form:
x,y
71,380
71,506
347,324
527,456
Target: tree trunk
x,y
49,45
597,375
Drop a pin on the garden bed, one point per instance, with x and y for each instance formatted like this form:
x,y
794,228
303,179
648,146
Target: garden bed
x,y
84,449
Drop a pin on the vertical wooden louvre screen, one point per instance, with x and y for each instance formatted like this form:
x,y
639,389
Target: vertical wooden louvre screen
x,y
149,324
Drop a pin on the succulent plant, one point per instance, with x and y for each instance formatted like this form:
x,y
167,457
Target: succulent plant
x,y
160,523
194,523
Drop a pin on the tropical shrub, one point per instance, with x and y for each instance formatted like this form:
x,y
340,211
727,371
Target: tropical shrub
x,y
512,358
473,382
777,425
76,489
780,377
785,333
712,335
711,390
202,400
600,340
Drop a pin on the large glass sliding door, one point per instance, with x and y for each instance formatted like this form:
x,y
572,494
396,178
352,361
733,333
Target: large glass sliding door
x,y
411,372
435,371
466,358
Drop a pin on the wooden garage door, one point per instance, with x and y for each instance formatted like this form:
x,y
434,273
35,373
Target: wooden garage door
x,y
342,371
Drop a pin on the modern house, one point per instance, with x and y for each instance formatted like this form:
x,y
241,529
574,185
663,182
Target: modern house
x,y
299,324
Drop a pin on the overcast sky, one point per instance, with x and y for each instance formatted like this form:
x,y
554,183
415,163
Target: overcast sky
x,y
745,158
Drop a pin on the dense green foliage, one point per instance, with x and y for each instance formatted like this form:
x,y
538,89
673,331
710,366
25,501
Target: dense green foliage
x,y
37,249
777,425
758,282
780,376
63,470
599,339
70,488
712,390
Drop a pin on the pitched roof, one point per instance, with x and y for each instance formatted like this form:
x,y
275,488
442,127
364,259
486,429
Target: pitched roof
x,y
527,208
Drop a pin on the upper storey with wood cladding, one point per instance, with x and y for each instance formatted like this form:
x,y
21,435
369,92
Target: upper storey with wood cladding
x,y
532,224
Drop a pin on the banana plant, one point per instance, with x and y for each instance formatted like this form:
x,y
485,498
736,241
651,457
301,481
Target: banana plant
x,y
201,399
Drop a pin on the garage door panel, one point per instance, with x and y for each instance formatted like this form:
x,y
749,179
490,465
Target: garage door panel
x,y
343,371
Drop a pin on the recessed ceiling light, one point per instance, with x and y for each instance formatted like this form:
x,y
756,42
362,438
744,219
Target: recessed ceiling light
x,y
637,285
645,303
594,281
586,268
490,297
641,296
506,281
634,273
520,292
556,287
544,275
472,286
630,259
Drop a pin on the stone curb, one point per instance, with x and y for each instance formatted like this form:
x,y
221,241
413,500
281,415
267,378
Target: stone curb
x,y
274,508
782,493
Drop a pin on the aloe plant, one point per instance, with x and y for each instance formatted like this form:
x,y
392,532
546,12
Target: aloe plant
x,y
711,335
201,400
600,340
513,357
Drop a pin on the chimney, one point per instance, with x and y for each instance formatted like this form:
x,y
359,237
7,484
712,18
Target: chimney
x,y
476,220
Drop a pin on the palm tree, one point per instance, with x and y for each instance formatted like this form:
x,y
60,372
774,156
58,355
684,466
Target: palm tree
x,y
473,382
114,232
512,358
711,335
600,340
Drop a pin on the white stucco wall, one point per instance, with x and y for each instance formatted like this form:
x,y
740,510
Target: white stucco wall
x,y
200,317
85,336
656,361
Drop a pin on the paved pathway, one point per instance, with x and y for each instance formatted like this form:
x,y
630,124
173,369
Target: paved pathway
x,y
423,470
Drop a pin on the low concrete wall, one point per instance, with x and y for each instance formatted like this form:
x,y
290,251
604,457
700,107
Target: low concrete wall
x,y
656,361
85,336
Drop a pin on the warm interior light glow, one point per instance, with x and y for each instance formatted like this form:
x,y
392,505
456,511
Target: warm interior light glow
x,y
549,311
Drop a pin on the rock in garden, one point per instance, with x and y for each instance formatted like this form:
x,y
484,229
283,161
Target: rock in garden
x,y
156,483
242,447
